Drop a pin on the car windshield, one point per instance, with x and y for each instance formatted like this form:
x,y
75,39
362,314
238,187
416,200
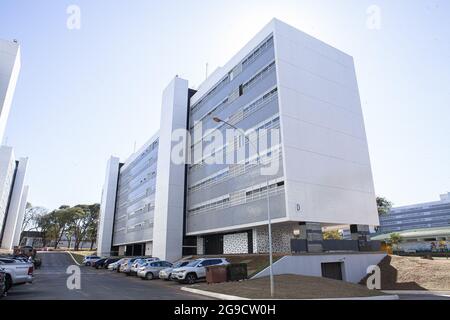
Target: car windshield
x,y
193,263
181,264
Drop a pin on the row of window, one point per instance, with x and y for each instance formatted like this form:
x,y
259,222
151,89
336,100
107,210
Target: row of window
x,y
149,149
391,217
253,133
234,72
239,197
236,170
240,115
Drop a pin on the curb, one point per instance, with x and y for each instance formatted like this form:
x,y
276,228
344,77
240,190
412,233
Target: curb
x,y
70,254
221,296
418,292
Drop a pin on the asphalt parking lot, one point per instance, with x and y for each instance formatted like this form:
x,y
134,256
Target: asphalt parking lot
x,y
50,283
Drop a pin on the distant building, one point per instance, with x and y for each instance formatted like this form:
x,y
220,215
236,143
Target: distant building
x,y
418,216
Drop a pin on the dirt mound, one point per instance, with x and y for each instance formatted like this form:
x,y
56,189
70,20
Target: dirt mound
x,y
413,273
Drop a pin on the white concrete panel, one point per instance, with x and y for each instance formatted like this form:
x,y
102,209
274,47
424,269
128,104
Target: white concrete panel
x,y
324,141
9,73
316,87
305,40
21,216
13,212
354,265
170,180
107,208
323,114
325,152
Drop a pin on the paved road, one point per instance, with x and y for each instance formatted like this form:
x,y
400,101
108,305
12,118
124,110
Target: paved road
x,y
50,284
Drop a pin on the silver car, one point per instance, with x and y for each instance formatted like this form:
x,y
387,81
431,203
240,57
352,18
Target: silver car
x,y
166,274
150,270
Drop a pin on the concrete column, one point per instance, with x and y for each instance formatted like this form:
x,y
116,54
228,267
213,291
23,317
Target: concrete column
x,y
312,232
170,181
107,208
13,215
360,232
21,216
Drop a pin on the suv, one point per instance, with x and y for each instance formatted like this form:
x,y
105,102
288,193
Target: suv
x,y
89,260
17,272
150,270
139,263
196,269
166,274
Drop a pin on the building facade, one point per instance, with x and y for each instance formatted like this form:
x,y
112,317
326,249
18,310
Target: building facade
x,y
13,192
9,73
299,153
418,216
13,197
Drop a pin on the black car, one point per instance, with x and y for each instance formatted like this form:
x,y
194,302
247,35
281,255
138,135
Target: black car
x,y
108,261
98,264
2,282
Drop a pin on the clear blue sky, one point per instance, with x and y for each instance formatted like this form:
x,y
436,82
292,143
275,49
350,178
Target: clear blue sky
x,y
86,94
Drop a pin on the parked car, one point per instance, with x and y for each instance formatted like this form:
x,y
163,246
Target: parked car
x,y
110,261
88,260
98,263
138,263
2,282
150,270
196,269
17,272
125,267
116,265
166,274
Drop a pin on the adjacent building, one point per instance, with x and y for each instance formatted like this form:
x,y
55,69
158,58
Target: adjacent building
x,y
298,152
13,192
427,215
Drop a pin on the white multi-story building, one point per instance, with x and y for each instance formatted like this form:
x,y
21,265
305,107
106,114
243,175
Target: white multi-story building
x,y
9,73
13,192
283,80
13,197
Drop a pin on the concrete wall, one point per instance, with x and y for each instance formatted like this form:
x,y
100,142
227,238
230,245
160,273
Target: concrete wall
x,y
326,159
13,218
107,208
21,216
9,73
354,265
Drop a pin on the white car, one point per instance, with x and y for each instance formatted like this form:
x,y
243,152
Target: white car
x,y
17,272
115,265
166,274
139,263
150,270
196,269
89,260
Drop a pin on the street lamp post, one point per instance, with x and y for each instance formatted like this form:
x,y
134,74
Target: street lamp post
x,y
269,219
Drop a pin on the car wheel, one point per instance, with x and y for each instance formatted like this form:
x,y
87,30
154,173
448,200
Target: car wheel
x,y
88,264
191,278
8,282
149,276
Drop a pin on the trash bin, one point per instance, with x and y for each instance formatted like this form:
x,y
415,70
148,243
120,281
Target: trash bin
x,y
237,272
216,274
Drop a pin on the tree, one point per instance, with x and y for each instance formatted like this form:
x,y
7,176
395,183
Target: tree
x,y
395,239
30,221
332,235
384,206
85,223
